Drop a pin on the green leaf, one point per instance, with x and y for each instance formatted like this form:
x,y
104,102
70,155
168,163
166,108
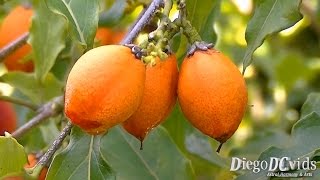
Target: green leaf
x,y
82,17
202,14
312,104
33,89
305,135
49,130
198,144
82,159
270,16
160,158
12,157
47,39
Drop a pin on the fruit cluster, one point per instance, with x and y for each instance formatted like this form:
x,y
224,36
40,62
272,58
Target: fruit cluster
x,y
110,85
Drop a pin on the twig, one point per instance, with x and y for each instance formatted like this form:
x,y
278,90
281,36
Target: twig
x,y
147,16
55,145
14,45
49,109
137,20
19,102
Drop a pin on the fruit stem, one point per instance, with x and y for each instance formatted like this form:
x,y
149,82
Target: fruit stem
x,y
55,146
188,30
19,102
219,148
14,45
141,145
147,16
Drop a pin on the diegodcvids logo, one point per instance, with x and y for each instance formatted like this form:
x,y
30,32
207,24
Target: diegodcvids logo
x,y
273,164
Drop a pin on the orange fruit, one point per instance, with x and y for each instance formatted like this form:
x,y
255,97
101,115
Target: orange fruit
x,y
104,88
8,118
212,94
158,99
104,36
15,24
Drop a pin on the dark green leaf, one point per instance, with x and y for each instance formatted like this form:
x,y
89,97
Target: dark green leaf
x,y
12,157
82,17
29,86
47,36
270,16
160,158
305,142
82,159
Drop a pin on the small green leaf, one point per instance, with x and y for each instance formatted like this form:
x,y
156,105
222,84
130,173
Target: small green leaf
x,y
29,86
270,16
47,39
82,159
12,157
305,143
82,17
312,104
159,159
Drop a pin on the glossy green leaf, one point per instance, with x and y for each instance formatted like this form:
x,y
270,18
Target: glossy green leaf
x,y
312,104
270,16
304,136
82,17
82,159
160,158
12,157
27,84
47,39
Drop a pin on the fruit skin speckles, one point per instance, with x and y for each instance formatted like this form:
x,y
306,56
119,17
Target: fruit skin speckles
x,y
212,93
159,98
15,24
104,88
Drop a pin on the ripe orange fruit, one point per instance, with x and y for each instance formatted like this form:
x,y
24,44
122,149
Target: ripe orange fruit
x,y
8,117
212,93
158,99
15,24
104,36
104,88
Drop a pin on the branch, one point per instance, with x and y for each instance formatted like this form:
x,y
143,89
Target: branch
x,y
139,25
14,45
19,102
55,145
44,160
49,109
